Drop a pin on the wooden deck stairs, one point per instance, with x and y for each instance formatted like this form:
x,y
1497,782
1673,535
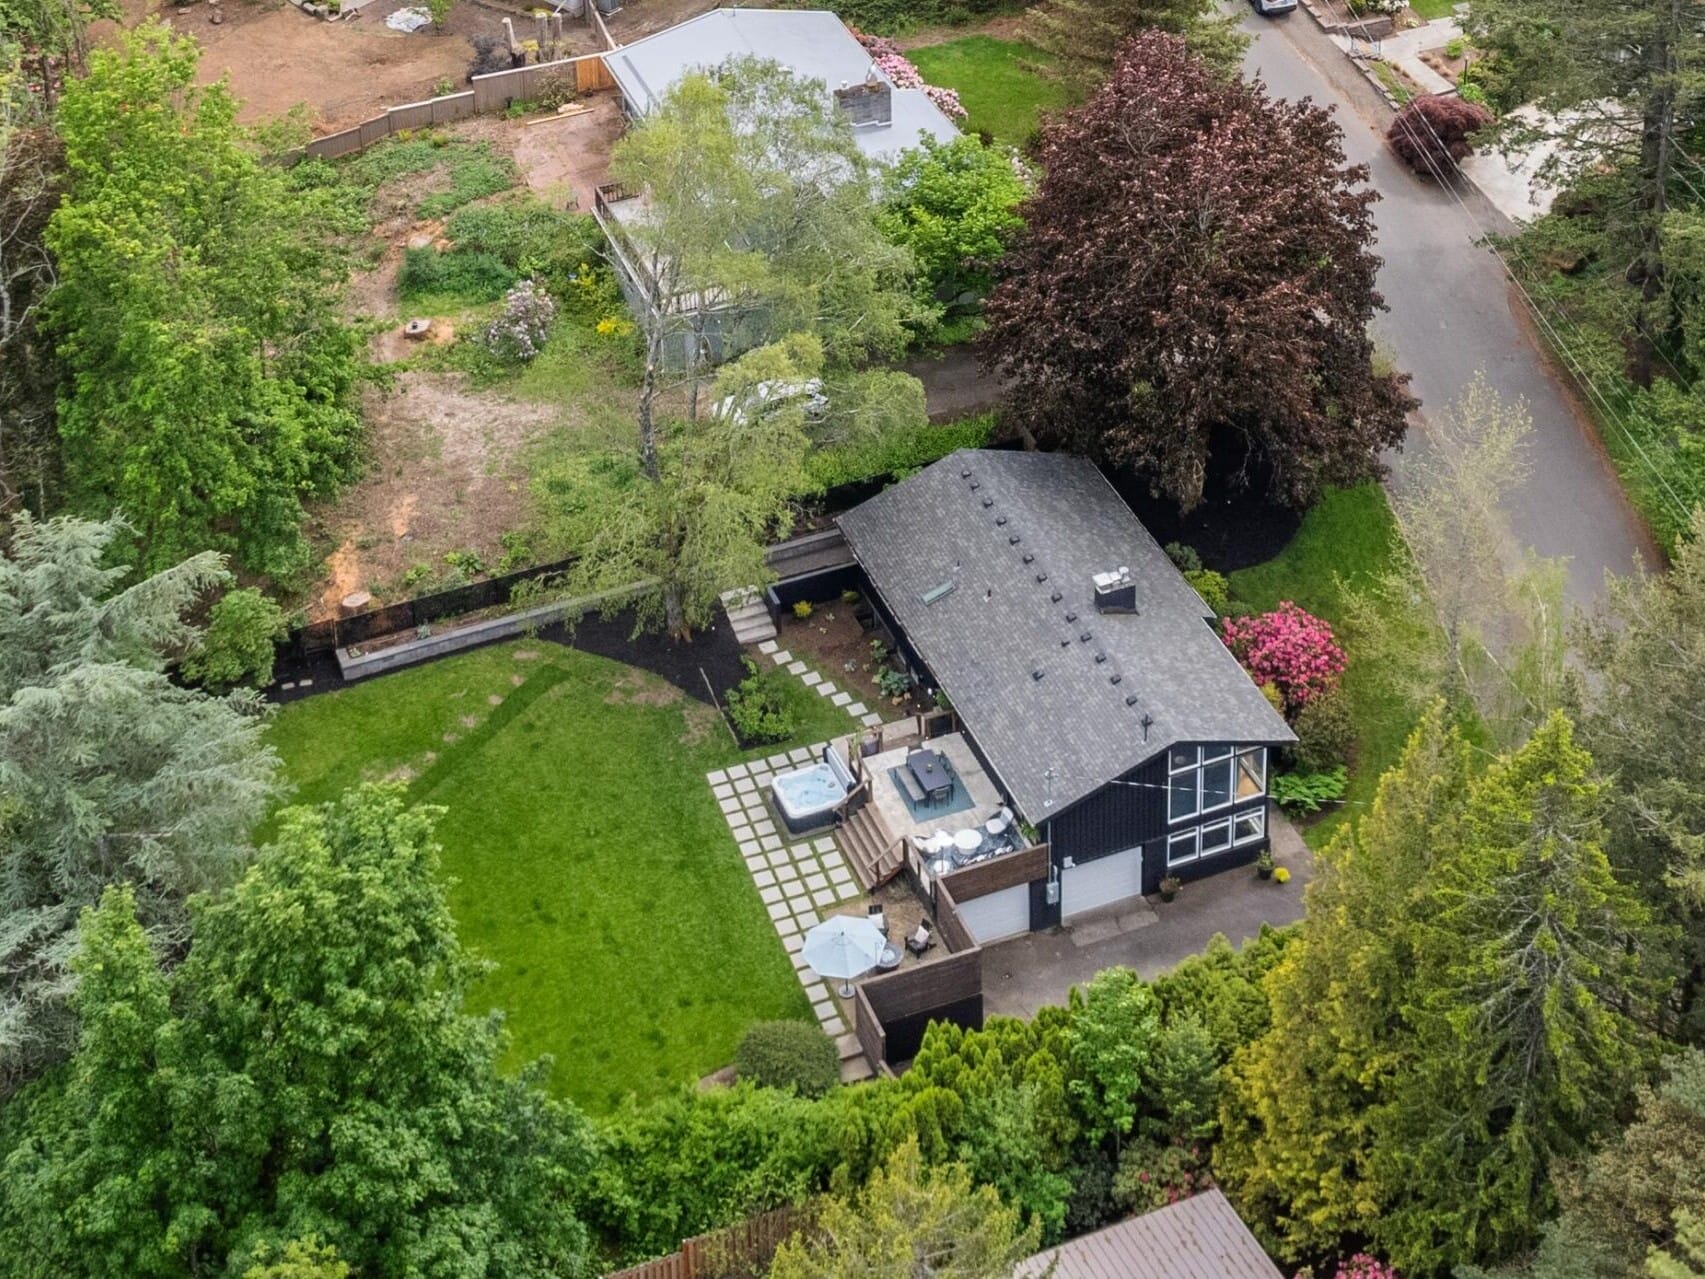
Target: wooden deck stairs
x,y
876,858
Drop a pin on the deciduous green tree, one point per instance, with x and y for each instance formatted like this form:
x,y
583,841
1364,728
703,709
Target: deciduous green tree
x,y
109,773
909,1221
954,205
207,372
1114,1021
1082,37
312,1075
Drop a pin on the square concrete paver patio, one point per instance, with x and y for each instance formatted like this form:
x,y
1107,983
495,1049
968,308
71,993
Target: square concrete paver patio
x,y
1022,975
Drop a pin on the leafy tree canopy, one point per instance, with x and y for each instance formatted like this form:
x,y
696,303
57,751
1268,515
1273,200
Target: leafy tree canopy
x,y
1194,286
1083,36
208,375
308,1075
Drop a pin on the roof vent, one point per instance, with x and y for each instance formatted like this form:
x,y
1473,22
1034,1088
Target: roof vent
x,y
1115,592
1114,678
1084,637
1065,641
1029,558
1055,597
1131,700
1012,540
1041,577
988,502
1036,674
1071,617
975,486
965,474
1100,658
1001,520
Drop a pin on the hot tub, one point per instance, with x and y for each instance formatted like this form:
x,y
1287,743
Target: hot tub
x,y
807,797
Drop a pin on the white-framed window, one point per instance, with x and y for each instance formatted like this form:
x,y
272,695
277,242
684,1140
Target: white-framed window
x,y
1183,847
1252,772
1216,837
1249,826
1216,783
1183,757
1182,800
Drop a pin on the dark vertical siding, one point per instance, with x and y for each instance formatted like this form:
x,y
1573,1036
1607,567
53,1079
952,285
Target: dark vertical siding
x,y
1115,817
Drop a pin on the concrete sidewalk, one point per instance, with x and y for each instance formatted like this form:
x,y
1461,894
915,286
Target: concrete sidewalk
x,y
1150,936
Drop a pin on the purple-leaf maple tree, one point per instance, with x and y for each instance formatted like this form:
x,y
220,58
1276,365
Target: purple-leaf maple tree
x,y
1432,132
1196,273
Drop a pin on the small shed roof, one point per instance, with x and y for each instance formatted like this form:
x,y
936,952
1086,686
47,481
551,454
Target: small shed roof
x,y
1197,1238
986,560
813,43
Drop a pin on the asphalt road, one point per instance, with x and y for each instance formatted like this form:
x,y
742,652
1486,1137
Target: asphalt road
x,y
1453,314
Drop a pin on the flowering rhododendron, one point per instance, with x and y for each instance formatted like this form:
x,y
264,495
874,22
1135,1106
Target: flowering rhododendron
x,y
519,333
1289,648
902,74
1360,1266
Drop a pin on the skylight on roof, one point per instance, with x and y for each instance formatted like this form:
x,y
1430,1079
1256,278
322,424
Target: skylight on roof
x,y
938,592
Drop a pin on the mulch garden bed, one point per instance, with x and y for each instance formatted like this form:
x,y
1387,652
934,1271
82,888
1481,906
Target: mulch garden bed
x,y
832,640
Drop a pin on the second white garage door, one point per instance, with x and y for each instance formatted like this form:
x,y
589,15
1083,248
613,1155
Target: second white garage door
x,y
998,915
1101,882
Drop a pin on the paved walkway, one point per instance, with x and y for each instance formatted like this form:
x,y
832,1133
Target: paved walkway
x,y
800,878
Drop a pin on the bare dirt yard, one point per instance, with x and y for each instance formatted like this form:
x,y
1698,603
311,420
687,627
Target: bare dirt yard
x,y
348,70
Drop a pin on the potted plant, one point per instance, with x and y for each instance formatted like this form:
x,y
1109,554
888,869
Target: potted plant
x,y
1264,864
1169,887
871,745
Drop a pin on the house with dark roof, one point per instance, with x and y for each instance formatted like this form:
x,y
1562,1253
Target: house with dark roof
x,y
1085,672
1201,1237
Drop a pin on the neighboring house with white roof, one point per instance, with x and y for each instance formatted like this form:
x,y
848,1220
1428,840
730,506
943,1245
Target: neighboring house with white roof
x,y
814,44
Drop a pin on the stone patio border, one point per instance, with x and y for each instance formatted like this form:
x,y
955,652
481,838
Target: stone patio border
x,y
862,714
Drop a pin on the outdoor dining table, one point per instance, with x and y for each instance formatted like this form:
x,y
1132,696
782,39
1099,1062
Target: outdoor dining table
x,y
930,770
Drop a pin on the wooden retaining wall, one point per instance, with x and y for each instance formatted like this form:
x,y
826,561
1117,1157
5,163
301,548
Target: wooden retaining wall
x,y
488,93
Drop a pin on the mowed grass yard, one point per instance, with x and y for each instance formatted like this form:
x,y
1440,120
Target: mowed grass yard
x,y
1346,541
997,82
584,852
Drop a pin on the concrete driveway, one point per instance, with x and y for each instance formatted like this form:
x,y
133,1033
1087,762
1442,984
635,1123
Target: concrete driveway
x,y
1152,937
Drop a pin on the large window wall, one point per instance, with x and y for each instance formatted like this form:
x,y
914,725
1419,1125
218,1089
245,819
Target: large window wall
x,y
1205,784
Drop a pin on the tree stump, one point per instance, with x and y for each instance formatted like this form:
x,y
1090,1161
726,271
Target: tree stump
x,y
355,601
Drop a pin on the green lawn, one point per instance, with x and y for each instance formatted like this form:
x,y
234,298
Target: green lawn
x,y
585,854
1430,9
1347,539
1000,94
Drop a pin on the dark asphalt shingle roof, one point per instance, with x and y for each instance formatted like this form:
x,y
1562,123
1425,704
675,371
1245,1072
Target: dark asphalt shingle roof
x,y
1055,740
1197,1238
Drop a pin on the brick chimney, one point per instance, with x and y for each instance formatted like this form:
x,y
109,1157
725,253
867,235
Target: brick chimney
x,y
871,102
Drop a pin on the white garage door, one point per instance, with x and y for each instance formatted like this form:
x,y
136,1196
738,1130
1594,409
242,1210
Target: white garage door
x,y
1101,882
998,915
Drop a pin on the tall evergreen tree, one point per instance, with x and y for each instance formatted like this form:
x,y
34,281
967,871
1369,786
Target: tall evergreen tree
x,y
1642,717
1302,1111
109,772
312,1077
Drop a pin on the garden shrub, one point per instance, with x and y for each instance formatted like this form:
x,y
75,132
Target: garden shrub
x,y
897,454
519,334
1184,558
1431,133
1305,792
788,1054
464,275
759,707
1289,648
239,644
1222,986
1326,734
1154,1174
529,237
1212,587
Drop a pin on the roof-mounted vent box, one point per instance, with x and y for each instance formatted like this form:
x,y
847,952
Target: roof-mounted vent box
x,y
1115,592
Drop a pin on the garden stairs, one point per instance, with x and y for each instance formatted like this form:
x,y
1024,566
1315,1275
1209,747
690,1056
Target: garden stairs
x,y
748,615
855,1066
875,857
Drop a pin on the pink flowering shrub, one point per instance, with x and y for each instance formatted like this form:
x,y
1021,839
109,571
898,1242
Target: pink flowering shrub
x,y
519,333
1360,1266
902,74
1153,1174
1289,648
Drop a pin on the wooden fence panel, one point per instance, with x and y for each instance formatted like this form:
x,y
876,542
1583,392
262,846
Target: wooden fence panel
x,y
334,145
457,106
411,115
496,89
740,1249
592,75
1005,871
375,130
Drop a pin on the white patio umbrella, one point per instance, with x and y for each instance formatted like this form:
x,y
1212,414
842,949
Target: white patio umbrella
x,y
844,946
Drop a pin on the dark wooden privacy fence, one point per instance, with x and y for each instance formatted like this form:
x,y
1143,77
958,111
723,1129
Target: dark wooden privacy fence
x,y
890,1014
409,615
734,1253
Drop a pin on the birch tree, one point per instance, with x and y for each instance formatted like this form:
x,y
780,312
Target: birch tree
x,y
109,772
